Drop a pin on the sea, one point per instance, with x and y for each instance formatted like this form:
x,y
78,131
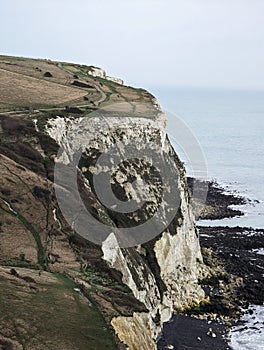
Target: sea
x,y
228,126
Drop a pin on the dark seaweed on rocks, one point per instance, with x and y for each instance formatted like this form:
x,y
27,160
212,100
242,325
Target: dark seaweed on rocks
x,y
218,202
237,249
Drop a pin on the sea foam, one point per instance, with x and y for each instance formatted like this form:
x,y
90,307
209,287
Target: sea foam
x,y
249,336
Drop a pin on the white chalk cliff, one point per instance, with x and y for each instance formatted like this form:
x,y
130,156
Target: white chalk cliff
x,y
163,274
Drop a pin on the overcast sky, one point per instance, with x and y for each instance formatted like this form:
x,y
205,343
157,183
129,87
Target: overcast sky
x,y
208,43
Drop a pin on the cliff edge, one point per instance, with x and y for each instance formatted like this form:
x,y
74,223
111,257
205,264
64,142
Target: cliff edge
x,y
50,111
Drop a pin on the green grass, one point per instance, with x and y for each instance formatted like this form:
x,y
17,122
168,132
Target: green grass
x,y
96,280
35,234
52,314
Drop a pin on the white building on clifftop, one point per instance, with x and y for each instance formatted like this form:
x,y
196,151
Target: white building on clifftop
x,y
99,72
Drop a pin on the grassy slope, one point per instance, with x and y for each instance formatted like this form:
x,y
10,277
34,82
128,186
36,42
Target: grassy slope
x,y
23,86
48,311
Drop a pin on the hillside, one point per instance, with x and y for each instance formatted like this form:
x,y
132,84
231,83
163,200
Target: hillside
x,y
42,84
59,290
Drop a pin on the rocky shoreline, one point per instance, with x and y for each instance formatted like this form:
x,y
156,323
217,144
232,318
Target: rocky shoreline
x,y
185,333
218,201
235,254
238,249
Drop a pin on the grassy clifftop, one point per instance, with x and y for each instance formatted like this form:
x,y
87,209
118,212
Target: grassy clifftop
x,y
43,84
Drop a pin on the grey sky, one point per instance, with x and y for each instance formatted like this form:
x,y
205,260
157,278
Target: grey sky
x,y
217,43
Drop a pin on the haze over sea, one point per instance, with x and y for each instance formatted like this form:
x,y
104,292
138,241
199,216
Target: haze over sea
x,y
229,125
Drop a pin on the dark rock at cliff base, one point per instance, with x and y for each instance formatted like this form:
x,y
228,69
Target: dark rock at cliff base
x,y
184,332
217,203
236,253
239,250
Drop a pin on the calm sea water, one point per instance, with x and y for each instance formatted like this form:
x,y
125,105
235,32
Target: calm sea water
x,y
229,125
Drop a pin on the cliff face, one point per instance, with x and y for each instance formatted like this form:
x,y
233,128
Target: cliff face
x,y
138,263
163,272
